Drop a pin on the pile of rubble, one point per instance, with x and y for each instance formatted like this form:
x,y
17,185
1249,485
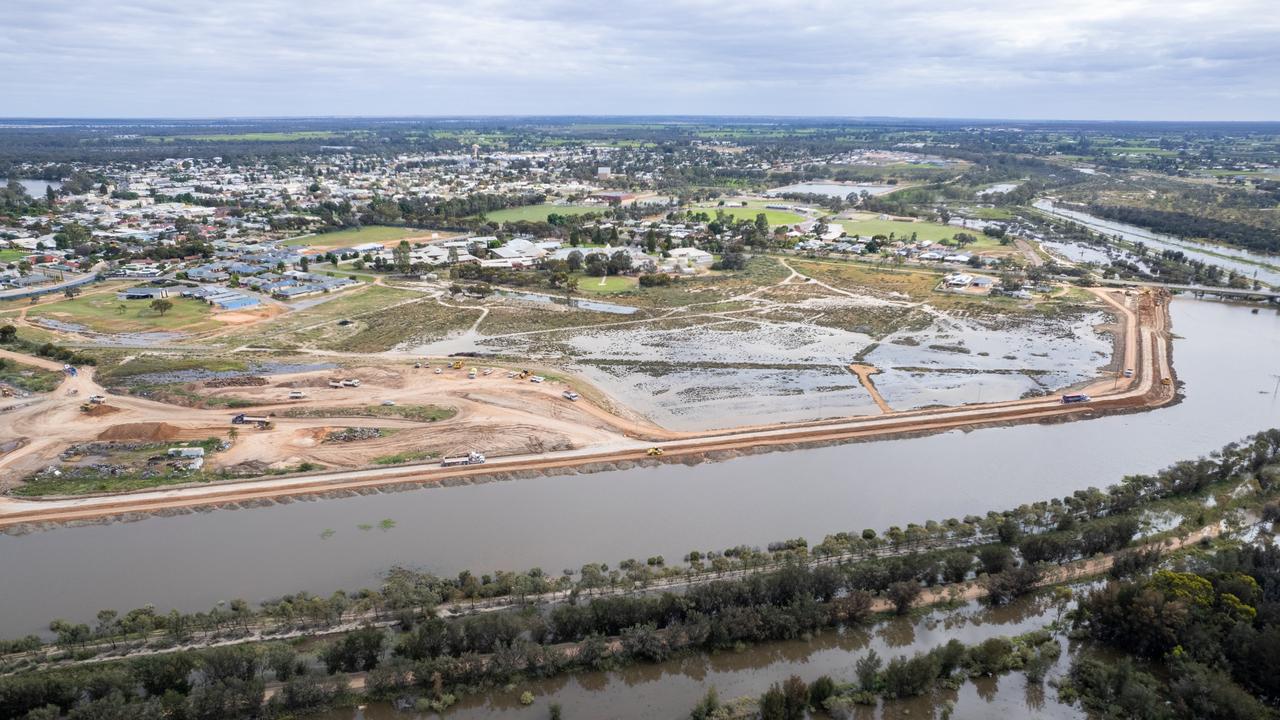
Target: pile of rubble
x,y
236,381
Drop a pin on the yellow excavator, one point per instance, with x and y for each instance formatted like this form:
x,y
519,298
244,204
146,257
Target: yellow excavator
x,y
655,452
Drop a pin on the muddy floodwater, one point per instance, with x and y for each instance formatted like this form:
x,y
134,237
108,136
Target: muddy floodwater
x,y
1225,354
670,689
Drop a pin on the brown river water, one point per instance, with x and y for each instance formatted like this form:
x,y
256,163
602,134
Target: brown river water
x,y
1226,355
671,689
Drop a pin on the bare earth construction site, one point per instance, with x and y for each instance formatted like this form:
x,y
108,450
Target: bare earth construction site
x,y
806,352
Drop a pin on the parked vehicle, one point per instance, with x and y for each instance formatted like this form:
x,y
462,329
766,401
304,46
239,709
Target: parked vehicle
x,y
472,374
488,371
335,383
537,379
571,395
296,395
439,370
1128,372
471,458
243,418
1076,398
388,403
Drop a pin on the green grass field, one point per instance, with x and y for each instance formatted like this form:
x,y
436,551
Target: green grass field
x,y
737,212
589,284
8,256
901,229
103,313
538,213
357,236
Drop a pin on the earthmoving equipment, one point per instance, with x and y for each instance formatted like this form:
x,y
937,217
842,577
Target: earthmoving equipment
x,y
471,458
457,365
655,452
242,419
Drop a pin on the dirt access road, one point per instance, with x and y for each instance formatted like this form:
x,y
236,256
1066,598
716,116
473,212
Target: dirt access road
x,y
1144,348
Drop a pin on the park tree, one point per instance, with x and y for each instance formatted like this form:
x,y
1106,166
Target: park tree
x,y
161,305
400,257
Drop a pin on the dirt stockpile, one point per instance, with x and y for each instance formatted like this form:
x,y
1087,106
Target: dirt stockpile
x,y
149,431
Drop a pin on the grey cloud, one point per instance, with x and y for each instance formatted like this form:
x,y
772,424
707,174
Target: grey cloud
x,y
1083,58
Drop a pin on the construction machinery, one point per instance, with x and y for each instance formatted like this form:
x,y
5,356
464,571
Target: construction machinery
x,y
654,452
456,365
244,419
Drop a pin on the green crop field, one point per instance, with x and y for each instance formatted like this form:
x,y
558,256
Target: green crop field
x,y
357,236
538,213
102,312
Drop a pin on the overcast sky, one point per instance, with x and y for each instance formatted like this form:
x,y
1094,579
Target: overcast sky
x,y
1063,59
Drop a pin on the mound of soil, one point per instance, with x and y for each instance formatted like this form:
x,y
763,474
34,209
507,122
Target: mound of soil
x,y
146,431
100,410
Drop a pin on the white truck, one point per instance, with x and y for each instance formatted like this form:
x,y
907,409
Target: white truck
x,y
471,458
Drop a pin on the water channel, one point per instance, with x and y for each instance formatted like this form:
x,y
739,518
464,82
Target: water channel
x,y
670,689
1265,268
1226,355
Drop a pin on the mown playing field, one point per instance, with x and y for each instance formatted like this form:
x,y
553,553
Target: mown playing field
x,y
102,312
612,284
357,236
539,213
902,230
736,211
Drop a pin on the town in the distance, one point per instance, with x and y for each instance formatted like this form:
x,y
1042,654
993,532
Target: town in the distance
x,y
710,417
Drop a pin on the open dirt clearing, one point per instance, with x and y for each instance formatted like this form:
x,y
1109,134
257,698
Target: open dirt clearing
x,y
1145,347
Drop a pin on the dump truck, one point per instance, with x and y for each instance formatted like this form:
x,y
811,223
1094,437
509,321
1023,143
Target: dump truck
x,y
471,373
335,383
1075,398
243,418
471,458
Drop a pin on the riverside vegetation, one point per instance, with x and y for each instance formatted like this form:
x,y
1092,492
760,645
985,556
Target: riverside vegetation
x,y
414,639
